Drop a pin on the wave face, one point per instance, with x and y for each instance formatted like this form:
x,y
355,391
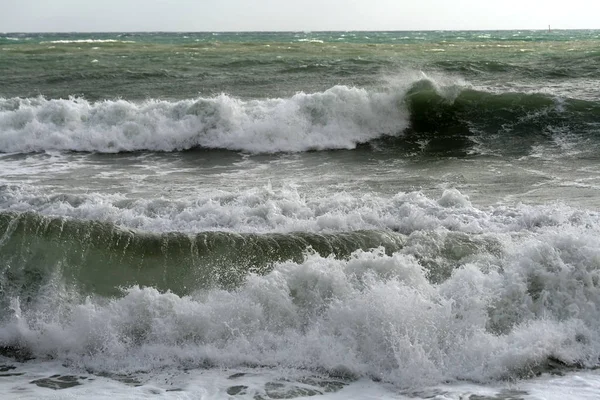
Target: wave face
x,y
419,307
445,116
435,108
464,120
101,257
146,244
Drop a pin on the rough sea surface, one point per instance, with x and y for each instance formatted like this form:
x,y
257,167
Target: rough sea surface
x,y
336,215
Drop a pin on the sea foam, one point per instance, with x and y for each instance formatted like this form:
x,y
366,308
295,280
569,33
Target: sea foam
x,y
338,118
372,315
522,289
286,209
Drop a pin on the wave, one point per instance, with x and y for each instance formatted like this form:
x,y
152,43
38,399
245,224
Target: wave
x,y
87,41
311,40
284,210
339,118
463,120
433,107
101,257
104,249
506,307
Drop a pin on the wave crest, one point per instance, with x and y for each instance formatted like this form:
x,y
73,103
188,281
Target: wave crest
x,y
338,118
446,115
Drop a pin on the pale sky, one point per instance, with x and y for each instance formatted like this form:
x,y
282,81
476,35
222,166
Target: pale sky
x,y
297,15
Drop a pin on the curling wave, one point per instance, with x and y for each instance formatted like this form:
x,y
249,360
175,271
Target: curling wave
x,y
447,117
497,315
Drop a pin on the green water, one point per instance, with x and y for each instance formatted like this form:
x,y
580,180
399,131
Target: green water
x,y
250,65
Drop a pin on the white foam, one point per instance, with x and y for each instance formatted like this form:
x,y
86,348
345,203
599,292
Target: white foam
x,y
338,118
311,40
177,384
375,315
288,209
523,288
214,384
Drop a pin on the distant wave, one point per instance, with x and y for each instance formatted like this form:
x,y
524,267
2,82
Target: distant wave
x,y
89,41
311,40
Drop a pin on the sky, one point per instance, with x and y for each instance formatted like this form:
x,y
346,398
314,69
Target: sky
x,y
296,15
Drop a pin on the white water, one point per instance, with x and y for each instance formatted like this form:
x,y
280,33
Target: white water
x,y
213,384
373,316
287,209
505,308
524,288
338,118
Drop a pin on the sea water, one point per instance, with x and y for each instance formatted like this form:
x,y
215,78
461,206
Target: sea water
x,y
285,215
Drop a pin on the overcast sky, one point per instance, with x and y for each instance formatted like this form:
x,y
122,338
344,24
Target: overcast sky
x,y
266,15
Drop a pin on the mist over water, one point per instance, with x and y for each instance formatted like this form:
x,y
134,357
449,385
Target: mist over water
x,y
282,215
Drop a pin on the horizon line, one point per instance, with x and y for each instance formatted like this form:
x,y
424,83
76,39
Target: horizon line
x,y
308,30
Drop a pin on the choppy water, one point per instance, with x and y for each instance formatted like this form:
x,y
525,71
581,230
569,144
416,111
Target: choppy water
x,y
280,215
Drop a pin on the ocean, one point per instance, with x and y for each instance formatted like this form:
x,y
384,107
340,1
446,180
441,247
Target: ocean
x,y
283,215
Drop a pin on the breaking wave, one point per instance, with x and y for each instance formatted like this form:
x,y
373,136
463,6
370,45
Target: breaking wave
x,y
88,41
440,306
339,118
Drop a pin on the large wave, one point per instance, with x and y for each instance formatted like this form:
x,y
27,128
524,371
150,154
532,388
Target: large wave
x,y
338,118
510,304
445,115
